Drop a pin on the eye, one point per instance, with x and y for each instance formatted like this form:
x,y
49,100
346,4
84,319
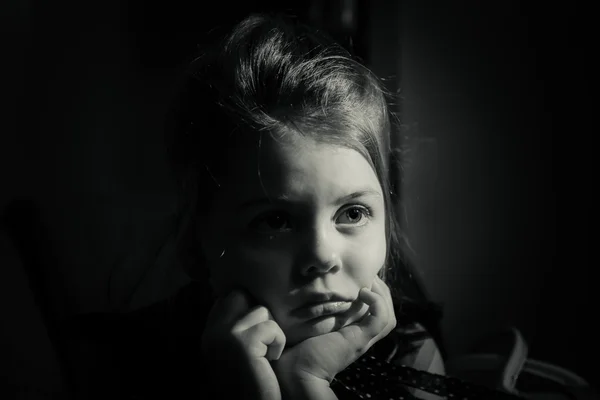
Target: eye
x,y
355,215
275,221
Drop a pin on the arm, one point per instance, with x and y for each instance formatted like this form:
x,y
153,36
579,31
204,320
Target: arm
x,y
312,390
299,387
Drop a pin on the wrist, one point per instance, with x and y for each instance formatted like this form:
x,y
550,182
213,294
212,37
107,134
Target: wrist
x,y
299,386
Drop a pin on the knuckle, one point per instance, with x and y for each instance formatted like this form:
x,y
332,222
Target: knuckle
x,y
270,325
383,325
360,350
262,312
238,337
261,329
360,346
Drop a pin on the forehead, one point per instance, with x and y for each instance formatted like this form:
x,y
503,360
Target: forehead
x,y
296,166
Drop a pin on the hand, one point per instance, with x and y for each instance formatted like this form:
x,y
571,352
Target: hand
x,y
320,358
240,341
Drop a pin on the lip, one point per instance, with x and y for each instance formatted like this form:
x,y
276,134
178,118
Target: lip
x,y
316,305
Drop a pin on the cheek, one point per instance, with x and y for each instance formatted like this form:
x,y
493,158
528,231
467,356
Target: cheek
x,y
367,258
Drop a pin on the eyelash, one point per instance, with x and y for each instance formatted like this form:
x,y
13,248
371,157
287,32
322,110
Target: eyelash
x,y
366,212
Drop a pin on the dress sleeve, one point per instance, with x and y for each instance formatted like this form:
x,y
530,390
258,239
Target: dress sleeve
x,y
417,349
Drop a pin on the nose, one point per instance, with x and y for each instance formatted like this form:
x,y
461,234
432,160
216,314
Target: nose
x,y
321,252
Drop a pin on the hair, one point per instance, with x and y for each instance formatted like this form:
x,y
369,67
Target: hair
x,y
273,75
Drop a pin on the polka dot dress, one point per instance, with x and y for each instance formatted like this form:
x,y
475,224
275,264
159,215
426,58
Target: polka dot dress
x,y
371,378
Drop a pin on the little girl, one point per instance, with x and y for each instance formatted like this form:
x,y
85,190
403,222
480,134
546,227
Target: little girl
x,y
280,143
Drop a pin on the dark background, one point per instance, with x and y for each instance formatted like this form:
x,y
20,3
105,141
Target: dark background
x,y
498,196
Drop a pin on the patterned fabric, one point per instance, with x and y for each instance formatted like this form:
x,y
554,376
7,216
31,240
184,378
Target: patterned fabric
x,y
370,378
382,374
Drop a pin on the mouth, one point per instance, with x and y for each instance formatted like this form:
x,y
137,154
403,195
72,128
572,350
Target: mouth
x,y
322,309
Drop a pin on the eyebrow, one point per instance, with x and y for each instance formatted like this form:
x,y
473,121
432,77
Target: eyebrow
x,y
285,199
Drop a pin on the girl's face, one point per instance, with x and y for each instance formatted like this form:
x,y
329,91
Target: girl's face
x,y
303,238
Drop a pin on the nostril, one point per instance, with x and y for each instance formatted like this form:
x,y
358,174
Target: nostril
x,y
321,269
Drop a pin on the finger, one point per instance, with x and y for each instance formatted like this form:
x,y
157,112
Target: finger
x,y
362,334
265,339
275,348
255,316
377,315
375,301
381,288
